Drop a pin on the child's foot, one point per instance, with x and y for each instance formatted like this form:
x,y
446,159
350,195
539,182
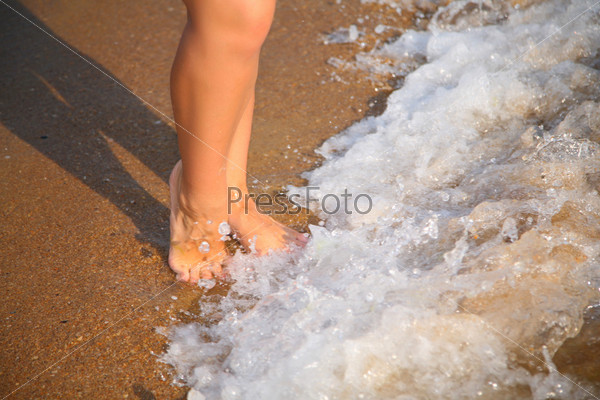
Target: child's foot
x,y
197,241
260,233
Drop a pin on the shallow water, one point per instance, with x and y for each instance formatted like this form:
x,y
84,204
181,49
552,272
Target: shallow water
x,y
480,254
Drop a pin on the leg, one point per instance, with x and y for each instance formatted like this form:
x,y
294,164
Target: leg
x,y
255,230
212,81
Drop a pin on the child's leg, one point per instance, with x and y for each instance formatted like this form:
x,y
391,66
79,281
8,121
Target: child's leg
x,y
252,227
212,82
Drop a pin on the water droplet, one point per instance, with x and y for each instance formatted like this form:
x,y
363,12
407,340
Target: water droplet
x,y
224,228
207,283
204,247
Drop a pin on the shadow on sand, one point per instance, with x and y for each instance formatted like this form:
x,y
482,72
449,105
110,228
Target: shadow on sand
x,y
72,113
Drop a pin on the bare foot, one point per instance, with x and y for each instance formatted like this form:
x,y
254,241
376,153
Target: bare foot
x,y
260,233
197,241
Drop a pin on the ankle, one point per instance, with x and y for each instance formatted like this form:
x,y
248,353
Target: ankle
x,y
201,205
238,198
236,188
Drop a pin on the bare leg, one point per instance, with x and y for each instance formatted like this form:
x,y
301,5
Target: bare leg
x,y
212,82
255,230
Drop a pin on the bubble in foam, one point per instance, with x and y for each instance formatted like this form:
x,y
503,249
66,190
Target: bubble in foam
x,y
509,229
207,283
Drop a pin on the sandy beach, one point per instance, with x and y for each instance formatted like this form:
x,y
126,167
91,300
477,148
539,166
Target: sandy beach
x,y
85,160
87,144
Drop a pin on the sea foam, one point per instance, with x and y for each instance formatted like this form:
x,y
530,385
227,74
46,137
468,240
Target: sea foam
x,y
480,254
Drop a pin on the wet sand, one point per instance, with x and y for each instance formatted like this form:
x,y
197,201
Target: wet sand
x,y
84,230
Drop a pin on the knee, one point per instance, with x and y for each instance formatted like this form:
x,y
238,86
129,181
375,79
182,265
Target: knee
x,y
253,23
242,25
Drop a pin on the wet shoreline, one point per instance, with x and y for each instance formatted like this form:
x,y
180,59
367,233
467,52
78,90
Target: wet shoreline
x,y
85,164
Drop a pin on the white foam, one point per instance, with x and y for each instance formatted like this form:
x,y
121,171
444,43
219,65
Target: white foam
x,y
343,35
480,249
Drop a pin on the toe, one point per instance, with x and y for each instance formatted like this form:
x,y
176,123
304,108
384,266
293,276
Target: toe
x,y
216,270
206,273
296,238
195,273
302,238
183,275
